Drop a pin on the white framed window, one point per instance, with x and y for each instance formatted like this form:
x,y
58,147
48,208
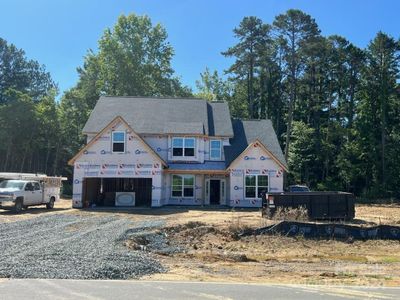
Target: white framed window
x,y
215,149
184,146
255,185
118,141
182,186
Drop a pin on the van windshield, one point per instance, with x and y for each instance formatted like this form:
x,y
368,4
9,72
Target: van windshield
x,y
15,184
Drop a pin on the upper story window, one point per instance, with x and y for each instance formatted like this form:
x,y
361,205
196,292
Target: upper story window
x,y
183,147
215,150
118,141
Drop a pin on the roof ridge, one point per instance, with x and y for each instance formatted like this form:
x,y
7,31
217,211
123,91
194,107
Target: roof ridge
x,y
155,97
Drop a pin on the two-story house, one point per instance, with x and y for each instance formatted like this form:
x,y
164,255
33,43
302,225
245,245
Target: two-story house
x,y
163,151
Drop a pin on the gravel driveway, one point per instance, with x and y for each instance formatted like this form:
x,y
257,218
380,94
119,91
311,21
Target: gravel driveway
x,y
73,246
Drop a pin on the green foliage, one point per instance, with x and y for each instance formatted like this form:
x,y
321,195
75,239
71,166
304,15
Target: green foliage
x,y
20,127
301,154
133,59
252,35
335,105
378,116
212,87
20,74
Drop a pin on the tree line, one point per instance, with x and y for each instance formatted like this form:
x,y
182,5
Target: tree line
x,y
334,106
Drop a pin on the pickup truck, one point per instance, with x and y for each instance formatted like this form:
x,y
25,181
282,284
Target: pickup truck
x,y
298,188
19,194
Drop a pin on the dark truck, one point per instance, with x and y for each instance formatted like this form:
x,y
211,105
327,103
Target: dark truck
x,y
298,188
319,205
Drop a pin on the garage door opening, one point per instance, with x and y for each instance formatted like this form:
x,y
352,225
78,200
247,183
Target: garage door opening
x,y
106,191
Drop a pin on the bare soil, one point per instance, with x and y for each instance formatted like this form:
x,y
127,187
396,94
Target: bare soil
x,y
213,251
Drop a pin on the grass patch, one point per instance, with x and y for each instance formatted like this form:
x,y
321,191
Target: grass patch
x,y
390,259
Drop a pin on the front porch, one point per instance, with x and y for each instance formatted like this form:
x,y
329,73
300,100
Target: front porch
x,y
197,184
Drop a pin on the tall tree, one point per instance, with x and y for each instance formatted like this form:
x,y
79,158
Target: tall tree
x,y
302,154
133,59
27,98
295,29
271,78
251,34
21,74
19,125
379,101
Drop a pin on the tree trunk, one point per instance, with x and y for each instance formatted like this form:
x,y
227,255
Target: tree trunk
x,y
47,156
289,122
293,87
26,152
7,157
251,90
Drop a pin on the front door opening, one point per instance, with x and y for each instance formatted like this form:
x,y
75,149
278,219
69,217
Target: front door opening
x,y
215,191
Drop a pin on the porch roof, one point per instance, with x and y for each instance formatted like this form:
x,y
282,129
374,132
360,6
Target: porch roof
x,y
206,167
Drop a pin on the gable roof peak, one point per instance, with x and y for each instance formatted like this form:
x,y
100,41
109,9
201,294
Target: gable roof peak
x,y
246,132
110,125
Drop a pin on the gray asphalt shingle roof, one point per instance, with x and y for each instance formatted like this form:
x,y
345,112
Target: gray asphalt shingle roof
x,y
162,115
246,132
184,128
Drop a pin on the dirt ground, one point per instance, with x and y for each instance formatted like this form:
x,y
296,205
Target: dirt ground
x,y
212,251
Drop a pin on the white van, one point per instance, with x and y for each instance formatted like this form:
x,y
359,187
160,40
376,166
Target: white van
x,y
21,190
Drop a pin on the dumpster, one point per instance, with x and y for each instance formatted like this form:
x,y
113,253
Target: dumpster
x,y
319,205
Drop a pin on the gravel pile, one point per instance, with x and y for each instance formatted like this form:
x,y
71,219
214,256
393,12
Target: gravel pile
x,y
75,247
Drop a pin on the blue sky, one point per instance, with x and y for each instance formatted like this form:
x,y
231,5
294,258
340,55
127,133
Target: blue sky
x,y
58,33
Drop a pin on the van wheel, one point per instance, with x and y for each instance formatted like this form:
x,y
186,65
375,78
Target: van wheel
x,y
18,205
50,205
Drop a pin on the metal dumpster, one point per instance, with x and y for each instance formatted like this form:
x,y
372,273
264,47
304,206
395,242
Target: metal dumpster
x,y
319,205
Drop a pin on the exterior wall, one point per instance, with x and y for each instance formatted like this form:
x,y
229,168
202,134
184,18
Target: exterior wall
x,y
99,161
89,137
162,145
202,149
254,161
198,192
159,143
